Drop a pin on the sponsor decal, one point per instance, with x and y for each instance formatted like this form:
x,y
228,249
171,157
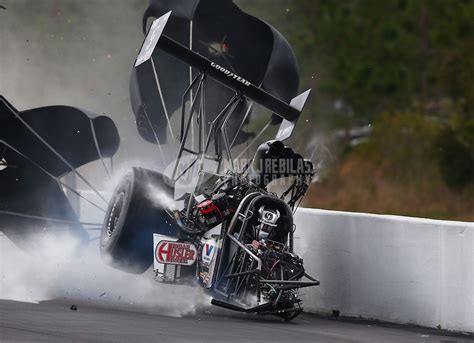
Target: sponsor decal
x,y
230,74
169,252
208,251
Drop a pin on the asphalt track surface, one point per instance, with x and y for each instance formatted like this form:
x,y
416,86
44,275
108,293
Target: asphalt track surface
x,y
53,321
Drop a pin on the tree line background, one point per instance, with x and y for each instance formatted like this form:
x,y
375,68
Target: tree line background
x,y
404,69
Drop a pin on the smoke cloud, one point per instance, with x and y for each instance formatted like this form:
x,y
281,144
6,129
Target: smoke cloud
x,y
73,272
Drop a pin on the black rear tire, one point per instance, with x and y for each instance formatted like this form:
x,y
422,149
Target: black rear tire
x,y
136,211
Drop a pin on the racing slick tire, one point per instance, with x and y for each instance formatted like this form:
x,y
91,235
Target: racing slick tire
x,y
136,211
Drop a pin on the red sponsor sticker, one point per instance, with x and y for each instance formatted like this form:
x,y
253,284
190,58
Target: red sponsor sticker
x,y
175,253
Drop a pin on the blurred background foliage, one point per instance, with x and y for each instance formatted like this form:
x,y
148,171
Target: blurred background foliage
x,y
403,69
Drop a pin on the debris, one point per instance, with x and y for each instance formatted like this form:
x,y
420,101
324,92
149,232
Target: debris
x,y
101,295
73,308
3,7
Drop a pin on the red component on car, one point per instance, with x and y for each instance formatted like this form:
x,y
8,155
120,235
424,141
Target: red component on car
x,y
206,207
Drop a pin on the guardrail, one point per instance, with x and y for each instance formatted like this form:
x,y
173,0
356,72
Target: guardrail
x,y
390,268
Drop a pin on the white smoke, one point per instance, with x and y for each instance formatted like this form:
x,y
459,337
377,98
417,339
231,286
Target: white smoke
x,y
160,198
68,270
75,273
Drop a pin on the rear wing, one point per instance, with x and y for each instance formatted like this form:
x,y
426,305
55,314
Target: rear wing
x,y
156,38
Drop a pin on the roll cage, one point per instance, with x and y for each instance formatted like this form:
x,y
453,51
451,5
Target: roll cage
x,y
216,134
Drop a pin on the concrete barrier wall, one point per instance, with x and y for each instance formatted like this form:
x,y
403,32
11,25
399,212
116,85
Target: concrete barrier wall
x,y
391,268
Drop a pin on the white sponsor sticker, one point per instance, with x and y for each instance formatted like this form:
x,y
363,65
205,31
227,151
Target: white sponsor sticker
x,y
208,251
169,252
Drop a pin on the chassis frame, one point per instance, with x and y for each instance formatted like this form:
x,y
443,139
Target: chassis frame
x,y
217,134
